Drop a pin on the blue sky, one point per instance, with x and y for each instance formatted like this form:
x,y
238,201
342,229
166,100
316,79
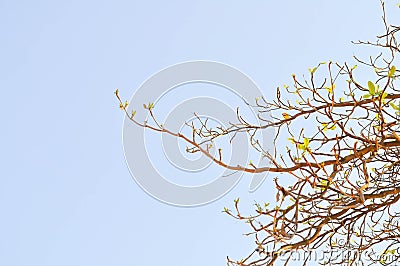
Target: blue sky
x,y
66,195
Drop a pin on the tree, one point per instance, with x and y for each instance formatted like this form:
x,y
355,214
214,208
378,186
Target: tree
x,y
345,167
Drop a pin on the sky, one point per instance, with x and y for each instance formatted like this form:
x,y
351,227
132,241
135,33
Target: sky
x,y
66,194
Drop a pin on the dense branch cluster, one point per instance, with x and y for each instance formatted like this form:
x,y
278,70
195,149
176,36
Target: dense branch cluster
x,y
345,165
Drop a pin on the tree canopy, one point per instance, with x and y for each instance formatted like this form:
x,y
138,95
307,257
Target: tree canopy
x,y
345,167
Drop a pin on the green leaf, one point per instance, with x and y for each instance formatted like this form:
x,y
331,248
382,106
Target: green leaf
x,y
392,71
391,251
367,96
305,145
395,107
371,87
330,88
312,70
324,126
377,91
306,142
384,95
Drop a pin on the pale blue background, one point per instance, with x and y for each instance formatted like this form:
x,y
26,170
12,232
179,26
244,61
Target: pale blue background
x,y
66,195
